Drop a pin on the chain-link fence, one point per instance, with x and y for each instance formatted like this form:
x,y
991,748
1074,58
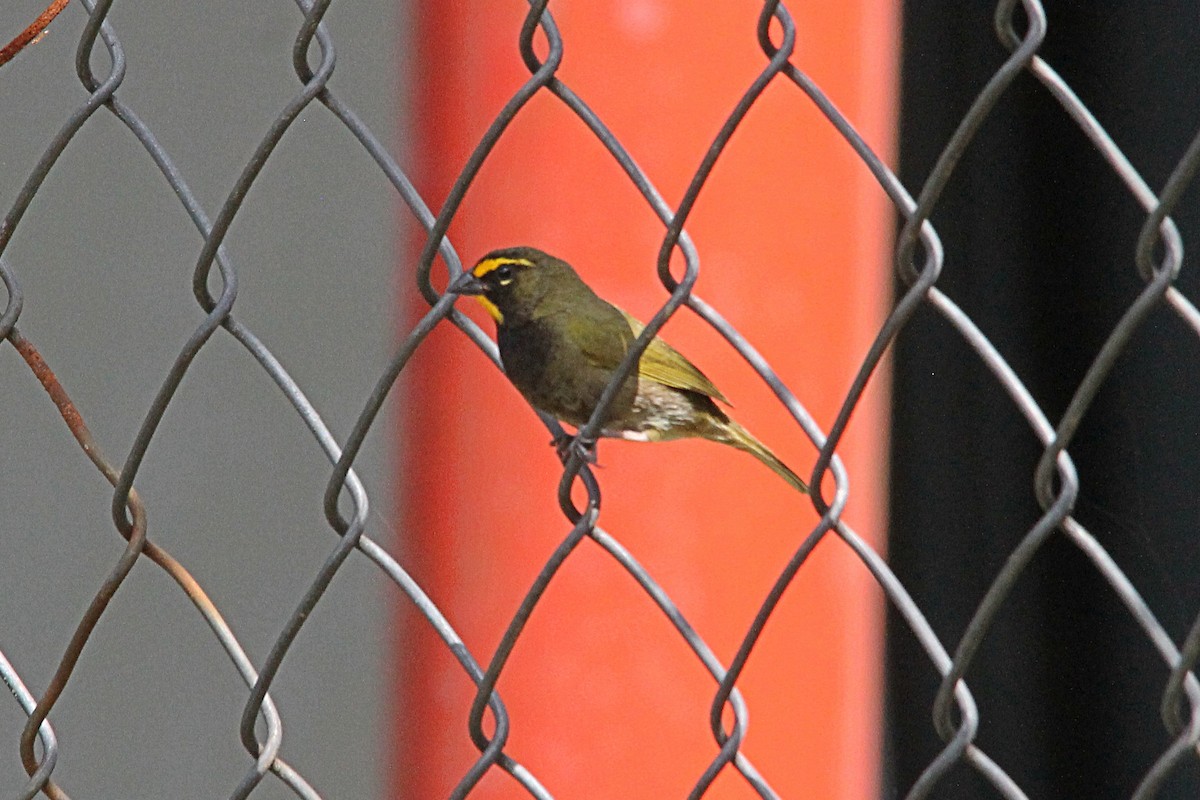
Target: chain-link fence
x,y
919,260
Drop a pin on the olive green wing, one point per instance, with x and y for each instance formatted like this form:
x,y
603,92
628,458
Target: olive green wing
x,y
599,335
665,364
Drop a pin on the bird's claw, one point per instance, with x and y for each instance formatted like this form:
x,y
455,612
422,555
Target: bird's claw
x,y
567,445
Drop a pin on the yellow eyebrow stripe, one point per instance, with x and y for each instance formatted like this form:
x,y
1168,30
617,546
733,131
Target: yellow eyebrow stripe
x,y
489,264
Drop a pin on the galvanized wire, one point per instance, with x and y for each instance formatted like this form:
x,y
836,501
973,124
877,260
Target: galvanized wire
x,y
919,262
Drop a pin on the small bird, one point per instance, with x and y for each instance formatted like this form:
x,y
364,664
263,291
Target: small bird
x,y
561,342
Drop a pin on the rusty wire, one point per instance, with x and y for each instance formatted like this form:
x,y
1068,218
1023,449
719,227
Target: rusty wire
x,y
919,260
32,32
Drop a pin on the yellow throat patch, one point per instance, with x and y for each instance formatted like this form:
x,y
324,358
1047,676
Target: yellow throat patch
x,y
490,307
486,266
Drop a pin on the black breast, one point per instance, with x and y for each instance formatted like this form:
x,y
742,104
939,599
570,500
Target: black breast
x,y
555,376
526,353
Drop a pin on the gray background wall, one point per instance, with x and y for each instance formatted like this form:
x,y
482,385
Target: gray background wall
x,y
232,482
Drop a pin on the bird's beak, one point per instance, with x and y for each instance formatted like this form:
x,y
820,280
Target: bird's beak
x,y
467,283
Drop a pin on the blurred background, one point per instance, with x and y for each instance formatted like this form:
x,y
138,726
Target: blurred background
x,y
795,237
1040,237
232,482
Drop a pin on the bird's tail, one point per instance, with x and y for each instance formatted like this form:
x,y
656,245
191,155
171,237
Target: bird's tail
x,y
742,439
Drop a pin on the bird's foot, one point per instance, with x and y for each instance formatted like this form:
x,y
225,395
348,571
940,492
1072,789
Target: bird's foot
x,y
567,445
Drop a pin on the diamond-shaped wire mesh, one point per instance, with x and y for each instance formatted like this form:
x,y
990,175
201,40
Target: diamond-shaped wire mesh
x,y
919,261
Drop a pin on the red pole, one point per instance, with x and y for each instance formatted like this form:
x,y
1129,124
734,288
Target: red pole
x,y
605,698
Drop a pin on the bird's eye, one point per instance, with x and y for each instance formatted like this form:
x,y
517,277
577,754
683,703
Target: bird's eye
x,y
504,274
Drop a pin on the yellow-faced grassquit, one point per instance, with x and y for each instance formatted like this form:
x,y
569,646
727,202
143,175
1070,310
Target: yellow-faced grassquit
x,y
560,343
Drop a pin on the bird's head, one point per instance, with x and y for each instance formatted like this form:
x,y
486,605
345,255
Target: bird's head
x,y
515,282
